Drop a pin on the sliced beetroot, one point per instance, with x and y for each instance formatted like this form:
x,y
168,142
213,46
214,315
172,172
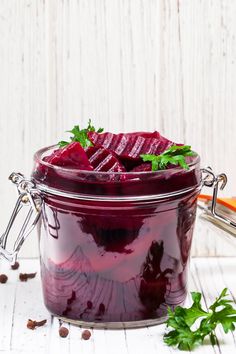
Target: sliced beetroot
x,y
154,134
103,160
144,167
72,156
131,145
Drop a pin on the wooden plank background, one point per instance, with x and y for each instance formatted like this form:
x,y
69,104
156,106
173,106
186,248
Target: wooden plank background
x,y
126,64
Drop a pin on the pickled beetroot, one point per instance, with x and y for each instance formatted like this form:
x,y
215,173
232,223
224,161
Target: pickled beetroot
x,y
103,160
72,155
114,247
131,145
109,152
146,166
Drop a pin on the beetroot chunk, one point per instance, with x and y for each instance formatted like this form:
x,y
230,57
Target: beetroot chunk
x,y
144,167
131,145
103,160
72,156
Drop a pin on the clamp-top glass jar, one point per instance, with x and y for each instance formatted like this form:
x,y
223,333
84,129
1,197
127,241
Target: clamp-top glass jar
x,y
114,247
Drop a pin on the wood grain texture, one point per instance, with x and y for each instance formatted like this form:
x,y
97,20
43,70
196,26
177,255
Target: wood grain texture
x,y
126,64
198,79
104,61
23,94
197,90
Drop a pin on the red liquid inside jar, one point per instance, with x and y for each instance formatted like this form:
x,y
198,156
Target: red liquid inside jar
x,y
114,248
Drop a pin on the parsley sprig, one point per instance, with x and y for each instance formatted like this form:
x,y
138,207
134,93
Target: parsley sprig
x,y
182,319
175,155
80,135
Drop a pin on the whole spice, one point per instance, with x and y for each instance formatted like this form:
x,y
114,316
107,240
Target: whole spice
x,y
63,332
86,334
32,324
15,265
26,276
3,278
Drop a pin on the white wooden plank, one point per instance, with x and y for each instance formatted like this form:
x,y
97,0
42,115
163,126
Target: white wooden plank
x,y
7,304
155,334
87,345
211,283
75,340
219,283
116,341
198,78
29,304
99,337
106,53
55,343
137,339
209,240
198,85
23,95
171,85
194,284
227,272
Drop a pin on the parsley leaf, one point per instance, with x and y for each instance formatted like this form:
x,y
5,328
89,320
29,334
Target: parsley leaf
x,y
80,135
175,155
181,320
62,143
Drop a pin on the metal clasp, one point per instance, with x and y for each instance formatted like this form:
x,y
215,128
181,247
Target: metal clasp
x,y
212,180
28,195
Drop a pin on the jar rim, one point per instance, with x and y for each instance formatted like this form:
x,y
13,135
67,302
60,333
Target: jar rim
x,y
40,154
139,198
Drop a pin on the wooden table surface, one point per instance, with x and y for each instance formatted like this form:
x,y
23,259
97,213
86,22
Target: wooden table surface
x,y
20,301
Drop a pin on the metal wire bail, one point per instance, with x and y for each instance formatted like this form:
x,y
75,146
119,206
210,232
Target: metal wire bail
x,y
212,180
28,195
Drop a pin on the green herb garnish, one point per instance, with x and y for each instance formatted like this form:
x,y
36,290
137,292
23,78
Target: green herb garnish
x,y
175,155
80,135
182,319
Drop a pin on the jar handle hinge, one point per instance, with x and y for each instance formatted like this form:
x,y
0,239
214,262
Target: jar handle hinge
x,y
212,180
28,195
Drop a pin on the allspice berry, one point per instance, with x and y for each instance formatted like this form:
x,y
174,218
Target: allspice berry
x,y
86,334
3,278
63,332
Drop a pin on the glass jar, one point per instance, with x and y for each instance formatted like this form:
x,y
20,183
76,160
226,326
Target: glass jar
x,y
114,247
